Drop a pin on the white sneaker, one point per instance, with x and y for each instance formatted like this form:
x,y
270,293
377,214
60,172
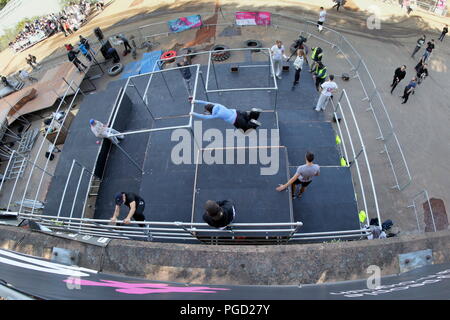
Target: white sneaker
x,y
255,122
279,77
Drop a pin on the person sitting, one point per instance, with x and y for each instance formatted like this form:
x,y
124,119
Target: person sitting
x,y
240,119
219,214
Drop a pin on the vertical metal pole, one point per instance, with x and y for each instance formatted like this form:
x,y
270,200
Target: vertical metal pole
x,y
7,168
167,86
76,195
14,189
142,98
65,189
129,157
204,86
215,75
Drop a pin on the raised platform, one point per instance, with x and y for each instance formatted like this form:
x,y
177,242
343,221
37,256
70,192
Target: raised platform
x,y
177,192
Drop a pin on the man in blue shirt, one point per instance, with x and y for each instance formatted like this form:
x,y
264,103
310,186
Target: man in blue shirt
x,y
409,89
240,119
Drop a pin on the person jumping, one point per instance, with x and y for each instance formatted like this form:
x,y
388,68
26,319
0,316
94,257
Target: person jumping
x,y
245,120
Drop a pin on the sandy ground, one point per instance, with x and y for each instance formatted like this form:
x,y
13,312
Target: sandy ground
x,y
421,125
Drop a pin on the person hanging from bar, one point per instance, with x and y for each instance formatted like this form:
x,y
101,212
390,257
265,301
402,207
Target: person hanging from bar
x,y
102,131
243,120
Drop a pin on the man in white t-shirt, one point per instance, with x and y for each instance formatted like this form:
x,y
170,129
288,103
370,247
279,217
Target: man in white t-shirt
x,y
277,52
328,89
322,17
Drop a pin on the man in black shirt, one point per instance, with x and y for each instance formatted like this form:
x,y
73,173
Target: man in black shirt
x,y
72,55
444,32
422,72
399,75
134,202
428,50
219,214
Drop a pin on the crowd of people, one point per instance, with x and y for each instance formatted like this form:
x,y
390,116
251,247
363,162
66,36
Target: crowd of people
x,y
69,20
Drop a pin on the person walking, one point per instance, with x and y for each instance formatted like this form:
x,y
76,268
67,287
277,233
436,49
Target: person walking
x,y
298,65
421,72
399,75
277,52
428,51
219,214
135,204
186,74
444,32
72,55
102,131
126,43
322,17
409,89
320,75
316,57
338,4
303,176
244,120
24,75
328,89
419,44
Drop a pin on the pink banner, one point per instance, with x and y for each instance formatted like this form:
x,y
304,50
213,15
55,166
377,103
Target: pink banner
x,y
253,18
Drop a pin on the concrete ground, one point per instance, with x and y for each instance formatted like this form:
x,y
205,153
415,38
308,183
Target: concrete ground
x,y
421,126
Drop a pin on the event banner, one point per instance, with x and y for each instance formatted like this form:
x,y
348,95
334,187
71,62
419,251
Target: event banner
x,y
253,18
185,23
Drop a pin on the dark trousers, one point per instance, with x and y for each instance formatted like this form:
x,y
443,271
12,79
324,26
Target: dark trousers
x,y
88,56
297,76
406,95
441,37
394,84
127,46
416,49
337,6
78,63
319,81
243,120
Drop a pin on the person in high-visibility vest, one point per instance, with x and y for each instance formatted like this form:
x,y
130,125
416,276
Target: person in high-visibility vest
x,y
320,74
316,56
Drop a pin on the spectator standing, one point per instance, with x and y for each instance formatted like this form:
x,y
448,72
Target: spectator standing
x,y
328,89
85,51
428,51
277,52
409,89
72,55
126,43
399,75
444,32
419,44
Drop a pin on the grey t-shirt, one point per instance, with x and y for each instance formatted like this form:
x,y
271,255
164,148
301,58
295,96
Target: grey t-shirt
x,y
306,172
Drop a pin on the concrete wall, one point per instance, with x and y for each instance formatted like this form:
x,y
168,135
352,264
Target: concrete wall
x,y
234,265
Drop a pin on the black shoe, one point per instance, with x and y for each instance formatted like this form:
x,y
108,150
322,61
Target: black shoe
x,y
255,123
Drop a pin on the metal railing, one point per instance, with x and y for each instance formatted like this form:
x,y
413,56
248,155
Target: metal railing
x,y
354,153
419,202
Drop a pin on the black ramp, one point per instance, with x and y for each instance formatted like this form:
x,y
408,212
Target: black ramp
x,y
80,145
328,203
254,194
